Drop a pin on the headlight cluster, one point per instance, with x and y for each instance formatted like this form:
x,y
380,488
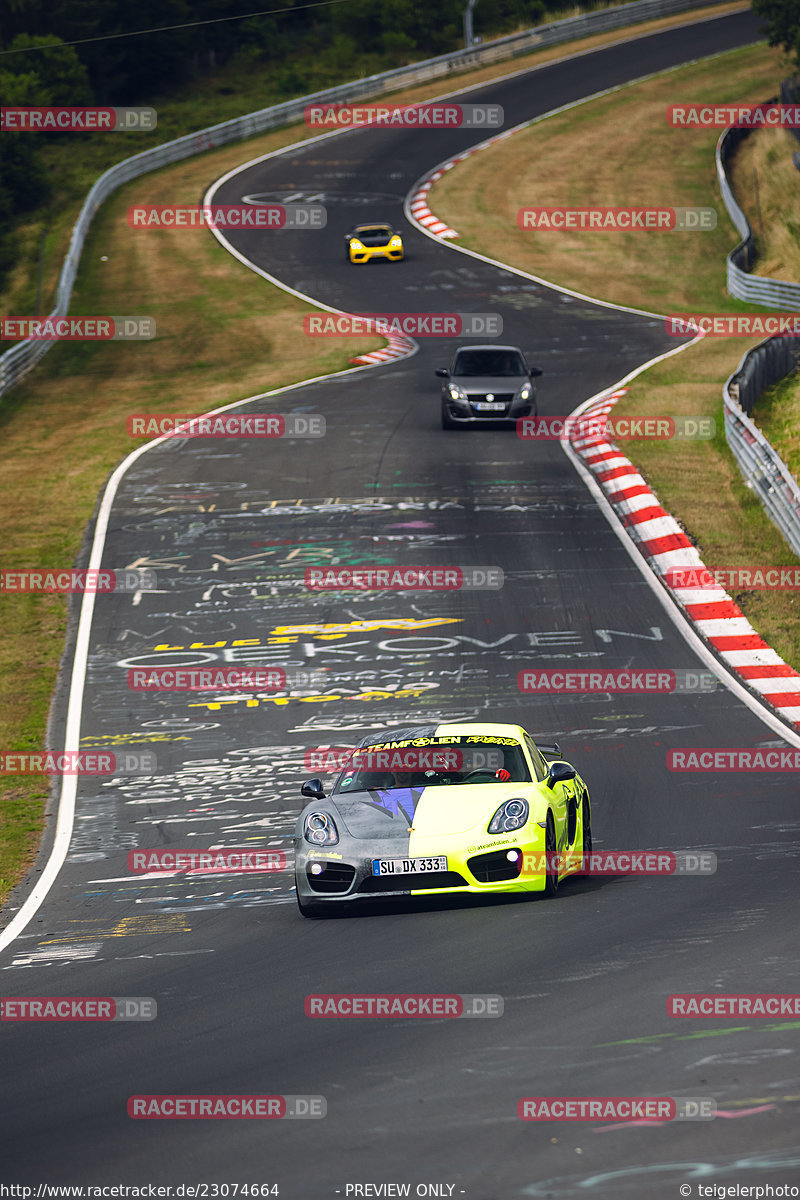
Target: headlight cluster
x,y
356,245
525,391
455,392
320,830
396,242
511,815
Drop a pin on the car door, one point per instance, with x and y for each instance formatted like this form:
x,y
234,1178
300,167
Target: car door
x,y
559,795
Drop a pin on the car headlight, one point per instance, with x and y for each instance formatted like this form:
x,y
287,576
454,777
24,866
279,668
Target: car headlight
x,y
525,391
356,245
319,829
455,392
396,242
513,814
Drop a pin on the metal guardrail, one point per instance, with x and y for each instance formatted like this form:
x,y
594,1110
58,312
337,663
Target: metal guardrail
x,y
761,465
19,360
757,289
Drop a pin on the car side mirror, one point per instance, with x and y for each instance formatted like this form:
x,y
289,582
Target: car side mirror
x,y
312,789
560,772
535,372
442,373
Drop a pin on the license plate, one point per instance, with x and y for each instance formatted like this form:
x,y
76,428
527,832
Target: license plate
x,y
408,866
487,405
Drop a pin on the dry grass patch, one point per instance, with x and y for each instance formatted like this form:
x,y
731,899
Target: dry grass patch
x,y
596,154
766,184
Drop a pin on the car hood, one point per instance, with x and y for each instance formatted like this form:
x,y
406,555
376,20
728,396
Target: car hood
x,y
439,811
489,383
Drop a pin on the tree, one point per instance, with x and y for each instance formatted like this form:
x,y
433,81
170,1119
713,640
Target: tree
x,y
781,19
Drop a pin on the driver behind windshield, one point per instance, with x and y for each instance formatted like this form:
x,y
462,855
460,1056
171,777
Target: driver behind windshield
x,y
513,770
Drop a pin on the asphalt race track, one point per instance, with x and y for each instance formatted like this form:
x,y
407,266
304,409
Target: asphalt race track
x,y
229,527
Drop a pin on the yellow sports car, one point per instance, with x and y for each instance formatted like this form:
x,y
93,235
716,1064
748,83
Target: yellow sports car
x,y
472,807
373,241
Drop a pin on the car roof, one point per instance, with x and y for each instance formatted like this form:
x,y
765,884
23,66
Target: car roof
x,y
444,729
489,347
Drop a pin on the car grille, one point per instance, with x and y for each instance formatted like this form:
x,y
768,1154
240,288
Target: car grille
x,y
494,867
500,403
335,877
422,880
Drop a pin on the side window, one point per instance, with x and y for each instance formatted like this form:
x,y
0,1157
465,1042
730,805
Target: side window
x,y
539,765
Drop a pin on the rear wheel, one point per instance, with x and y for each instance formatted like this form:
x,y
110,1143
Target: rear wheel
x,y
586,826
551,879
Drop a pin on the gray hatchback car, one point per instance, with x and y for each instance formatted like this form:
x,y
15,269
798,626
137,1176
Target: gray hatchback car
x,y
487,383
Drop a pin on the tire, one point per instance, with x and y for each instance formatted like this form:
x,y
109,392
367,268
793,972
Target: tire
x,y
551,881
586,826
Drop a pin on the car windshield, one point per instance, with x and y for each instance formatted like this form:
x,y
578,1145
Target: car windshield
x,y
489,362
393,765
372,231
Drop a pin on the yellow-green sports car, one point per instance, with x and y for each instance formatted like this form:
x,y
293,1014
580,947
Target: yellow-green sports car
x,y
471,807
366,242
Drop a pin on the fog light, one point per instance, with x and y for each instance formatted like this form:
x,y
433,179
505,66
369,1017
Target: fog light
x,y
513,856
317,868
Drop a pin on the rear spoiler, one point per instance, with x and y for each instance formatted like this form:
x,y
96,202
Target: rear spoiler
x,y
551,749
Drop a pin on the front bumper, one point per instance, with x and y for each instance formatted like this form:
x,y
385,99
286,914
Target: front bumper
x,y
347,876
508,409
362,256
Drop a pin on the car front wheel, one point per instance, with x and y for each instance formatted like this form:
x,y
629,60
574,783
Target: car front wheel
x,y
551,879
